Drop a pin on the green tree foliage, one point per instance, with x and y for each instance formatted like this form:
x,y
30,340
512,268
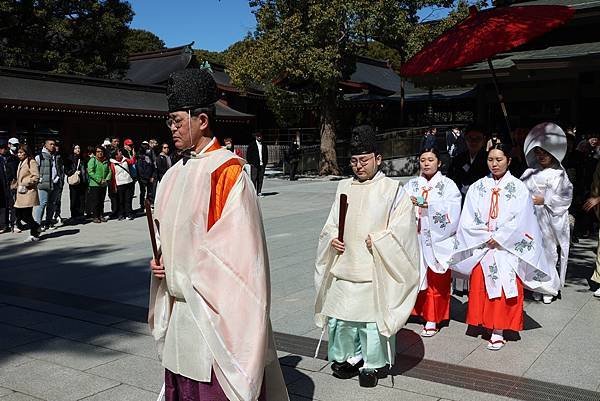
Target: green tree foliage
x,y
139,40
210,56
75,37
305,47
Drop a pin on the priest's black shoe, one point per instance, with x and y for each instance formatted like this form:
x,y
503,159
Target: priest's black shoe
x,y
346,370
370,377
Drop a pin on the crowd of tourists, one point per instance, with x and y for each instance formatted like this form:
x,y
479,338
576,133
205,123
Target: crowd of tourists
x,y
32,182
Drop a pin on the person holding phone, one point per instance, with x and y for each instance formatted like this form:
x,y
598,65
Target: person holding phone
x,y
437,202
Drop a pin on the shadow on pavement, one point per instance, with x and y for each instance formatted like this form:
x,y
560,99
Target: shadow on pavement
x,y
291,375
58,234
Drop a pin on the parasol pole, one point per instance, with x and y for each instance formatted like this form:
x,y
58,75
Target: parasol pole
x,y
500,97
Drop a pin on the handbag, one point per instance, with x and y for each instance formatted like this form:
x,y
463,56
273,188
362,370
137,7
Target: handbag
x,y
75,178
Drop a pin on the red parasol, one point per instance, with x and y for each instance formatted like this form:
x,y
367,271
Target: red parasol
x,y
484,34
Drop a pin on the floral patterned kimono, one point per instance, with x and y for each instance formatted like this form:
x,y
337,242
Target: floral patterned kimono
x,y
501,210
553,216
436,225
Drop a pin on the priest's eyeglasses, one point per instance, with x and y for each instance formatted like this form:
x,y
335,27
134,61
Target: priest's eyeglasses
x,y
363,162
177,122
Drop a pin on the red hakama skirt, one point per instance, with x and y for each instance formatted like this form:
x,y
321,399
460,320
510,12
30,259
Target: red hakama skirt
x,y
498,313
433,303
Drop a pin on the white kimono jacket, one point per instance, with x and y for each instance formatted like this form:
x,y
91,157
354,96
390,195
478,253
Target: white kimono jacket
x,y
212,309
380,287
437,223
553,216
502,211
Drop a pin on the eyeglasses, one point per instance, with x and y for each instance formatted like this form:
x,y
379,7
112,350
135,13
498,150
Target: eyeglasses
x,y
177,122
363,162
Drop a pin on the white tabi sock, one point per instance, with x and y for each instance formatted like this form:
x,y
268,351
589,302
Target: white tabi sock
x,y
430,325
353,360
497,335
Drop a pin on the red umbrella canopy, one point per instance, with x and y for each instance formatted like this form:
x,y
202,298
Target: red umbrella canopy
x,y
483,34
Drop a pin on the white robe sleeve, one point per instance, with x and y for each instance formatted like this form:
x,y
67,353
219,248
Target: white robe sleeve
x,y
559,196
396,273
444,215
326,256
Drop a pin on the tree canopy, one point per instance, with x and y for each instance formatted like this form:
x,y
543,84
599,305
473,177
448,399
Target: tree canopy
x,y
139,40
303,48
76,37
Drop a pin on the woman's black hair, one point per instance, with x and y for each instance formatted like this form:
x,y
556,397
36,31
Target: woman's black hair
x,y
433,150
504,147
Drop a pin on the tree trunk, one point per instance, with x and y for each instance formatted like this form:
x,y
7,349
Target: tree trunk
x,y
328,163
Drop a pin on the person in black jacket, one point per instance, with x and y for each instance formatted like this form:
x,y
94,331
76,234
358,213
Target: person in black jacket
x,y
76,164
163,161
257,156
146,172
6,201
471,165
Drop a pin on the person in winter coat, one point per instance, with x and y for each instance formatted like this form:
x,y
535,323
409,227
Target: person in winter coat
x,y
28,176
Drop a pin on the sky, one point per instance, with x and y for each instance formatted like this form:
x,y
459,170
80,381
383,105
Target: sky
x,y
212,24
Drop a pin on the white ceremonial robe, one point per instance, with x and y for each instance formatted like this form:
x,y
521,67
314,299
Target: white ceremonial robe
x,y
515,229
357,285
437,222
553,216
212,310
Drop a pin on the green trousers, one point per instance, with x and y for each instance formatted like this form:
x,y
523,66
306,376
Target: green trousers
x,y
355,339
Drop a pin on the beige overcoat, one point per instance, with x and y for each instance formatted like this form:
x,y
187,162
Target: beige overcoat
x,y
28,175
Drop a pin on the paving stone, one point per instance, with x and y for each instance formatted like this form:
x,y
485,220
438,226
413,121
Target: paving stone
x,y
70,328
22,317
325,387
436,348
68,353
11,336
123,393
144,373
9,359
135,327
303,362
64,311
19,397
128,342
433,389
108,337
297,324
515,358
52,382
4,391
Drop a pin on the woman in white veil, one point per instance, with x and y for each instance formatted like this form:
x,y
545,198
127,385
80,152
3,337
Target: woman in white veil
x,y
551,192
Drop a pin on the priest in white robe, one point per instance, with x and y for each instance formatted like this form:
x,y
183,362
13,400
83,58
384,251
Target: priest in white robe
x,y
210,294
366,284
551,192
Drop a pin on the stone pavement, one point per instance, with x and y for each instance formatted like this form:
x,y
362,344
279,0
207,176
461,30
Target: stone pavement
x,y
72,309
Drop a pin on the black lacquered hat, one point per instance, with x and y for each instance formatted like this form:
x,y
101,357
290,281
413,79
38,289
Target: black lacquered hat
x,y
190,89
362,140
